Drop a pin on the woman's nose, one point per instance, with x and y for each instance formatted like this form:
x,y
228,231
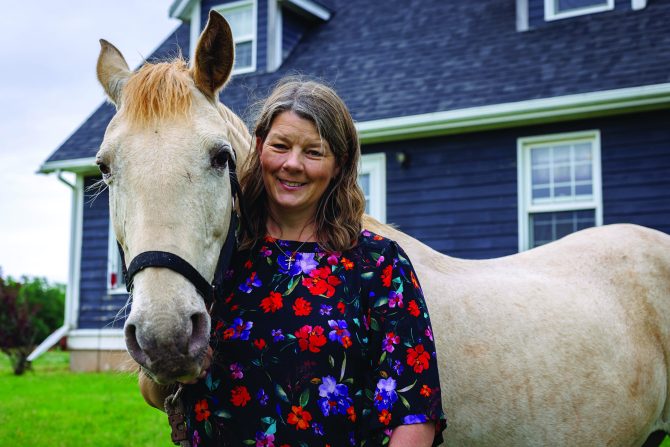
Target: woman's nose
x,y
293,159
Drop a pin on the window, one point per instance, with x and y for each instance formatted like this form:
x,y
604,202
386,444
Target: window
x,y
559,186
115,280
241,16
560,9
372,179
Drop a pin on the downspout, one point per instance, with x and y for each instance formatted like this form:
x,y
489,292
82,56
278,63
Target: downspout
x,y
68,322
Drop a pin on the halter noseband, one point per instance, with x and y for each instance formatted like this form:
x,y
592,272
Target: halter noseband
x,y
209,292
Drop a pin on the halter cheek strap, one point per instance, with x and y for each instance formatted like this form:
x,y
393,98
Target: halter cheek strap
x,y
209,292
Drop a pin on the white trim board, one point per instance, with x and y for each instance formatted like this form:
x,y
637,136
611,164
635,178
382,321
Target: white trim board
x,y
97,339
534,111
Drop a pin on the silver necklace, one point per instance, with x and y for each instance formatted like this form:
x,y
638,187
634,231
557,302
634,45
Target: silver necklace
x,y
290,258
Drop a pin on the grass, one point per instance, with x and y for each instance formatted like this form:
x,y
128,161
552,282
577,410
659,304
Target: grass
x,y
51,406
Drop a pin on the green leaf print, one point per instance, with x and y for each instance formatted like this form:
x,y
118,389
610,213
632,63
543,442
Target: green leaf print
x,y
281,393
304,398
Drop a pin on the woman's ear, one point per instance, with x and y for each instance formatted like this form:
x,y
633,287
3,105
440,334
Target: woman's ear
x,y
259,145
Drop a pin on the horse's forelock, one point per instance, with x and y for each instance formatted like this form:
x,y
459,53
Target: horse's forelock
x,y
158,91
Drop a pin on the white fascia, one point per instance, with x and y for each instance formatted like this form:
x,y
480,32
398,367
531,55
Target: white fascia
x,y
194,20
96,339
638,4
181,9
534,111
76,165
311,8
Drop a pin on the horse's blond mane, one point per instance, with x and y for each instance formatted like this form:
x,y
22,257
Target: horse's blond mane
x,y
158,91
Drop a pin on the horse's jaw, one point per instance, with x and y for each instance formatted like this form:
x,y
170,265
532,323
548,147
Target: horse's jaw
x,y
167,331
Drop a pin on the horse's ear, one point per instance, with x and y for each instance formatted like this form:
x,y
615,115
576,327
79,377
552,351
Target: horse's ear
x,y
113,71
214,55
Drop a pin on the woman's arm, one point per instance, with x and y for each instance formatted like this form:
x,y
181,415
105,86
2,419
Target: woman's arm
x,y
415,435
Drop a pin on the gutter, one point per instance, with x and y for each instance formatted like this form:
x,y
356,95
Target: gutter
x,y
69,318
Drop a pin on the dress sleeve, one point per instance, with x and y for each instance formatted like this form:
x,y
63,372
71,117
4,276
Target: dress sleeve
x,y
403,385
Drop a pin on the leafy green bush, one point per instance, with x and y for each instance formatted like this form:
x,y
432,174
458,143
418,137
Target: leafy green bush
x,y
30,310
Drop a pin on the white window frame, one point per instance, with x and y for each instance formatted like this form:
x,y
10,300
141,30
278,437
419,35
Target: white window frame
x,y
551,13
525,205
375,166
114,265
252,37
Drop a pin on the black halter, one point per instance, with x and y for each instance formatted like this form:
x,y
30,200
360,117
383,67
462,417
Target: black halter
x,y
209,292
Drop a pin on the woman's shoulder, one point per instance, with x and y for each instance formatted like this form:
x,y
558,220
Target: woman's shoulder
x,y
369,241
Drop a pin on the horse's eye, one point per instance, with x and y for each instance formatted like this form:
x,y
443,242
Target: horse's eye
x,y
104,169
220,158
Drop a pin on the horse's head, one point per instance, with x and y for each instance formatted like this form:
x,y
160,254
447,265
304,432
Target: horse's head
x,y
166,158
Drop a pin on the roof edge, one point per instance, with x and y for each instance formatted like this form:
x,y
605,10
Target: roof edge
x,y
76,165
181,9
533,111
310,8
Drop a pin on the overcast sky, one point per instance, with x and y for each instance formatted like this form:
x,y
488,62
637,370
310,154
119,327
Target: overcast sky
x,y
47,89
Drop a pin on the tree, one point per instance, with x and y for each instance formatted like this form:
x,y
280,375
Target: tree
x,y
29,312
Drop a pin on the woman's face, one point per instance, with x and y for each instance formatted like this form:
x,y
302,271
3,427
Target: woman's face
x,y
297,166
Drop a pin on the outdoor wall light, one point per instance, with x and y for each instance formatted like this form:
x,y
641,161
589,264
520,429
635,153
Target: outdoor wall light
x,y
402,158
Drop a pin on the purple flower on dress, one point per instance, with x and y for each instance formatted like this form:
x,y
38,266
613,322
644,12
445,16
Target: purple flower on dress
x,y
334,397
277,335
196,439
264,439
251,282
318,428
389,341
339,330
325,309
429,333
236,371
414,419
306,262
262,397
395,299
385,394
379,261
366,233
397,366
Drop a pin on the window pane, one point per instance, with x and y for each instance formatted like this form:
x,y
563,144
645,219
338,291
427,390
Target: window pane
x,y
582,152
540,176
561,154
584,190
540,156
547,227
240,20
243,55
583,172
364,183
567,5
562,174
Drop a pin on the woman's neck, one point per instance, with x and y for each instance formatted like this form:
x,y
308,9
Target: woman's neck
x,y
291,230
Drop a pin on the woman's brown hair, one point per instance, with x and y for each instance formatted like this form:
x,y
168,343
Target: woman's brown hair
x,y
340,209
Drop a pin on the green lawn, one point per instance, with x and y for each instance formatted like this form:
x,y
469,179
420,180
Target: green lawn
x,y
52,406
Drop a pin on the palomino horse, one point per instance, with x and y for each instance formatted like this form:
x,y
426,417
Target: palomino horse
x,y
566,344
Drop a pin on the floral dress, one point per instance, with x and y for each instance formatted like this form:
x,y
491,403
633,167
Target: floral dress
x,y
317,349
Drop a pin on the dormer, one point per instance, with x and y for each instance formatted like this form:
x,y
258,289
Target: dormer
x,y
533,14
265,31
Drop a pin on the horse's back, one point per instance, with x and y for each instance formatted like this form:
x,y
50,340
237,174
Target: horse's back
x,y
536,347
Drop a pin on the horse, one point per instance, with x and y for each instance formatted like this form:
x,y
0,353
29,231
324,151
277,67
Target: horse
x,y
565,344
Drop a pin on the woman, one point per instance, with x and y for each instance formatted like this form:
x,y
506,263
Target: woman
x,y
324,338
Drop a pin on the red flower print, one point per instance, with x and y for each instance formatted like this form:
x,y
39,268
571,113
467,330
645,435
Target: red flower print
x,y
299,417
385,417
413,309
346,341
341,307
377,237
248,264
321,282
351,414
270,239
259,343
302,307
272,303
418,358
386,276
414,281
310,338
228,333
426,391
347,264
240,396
202,411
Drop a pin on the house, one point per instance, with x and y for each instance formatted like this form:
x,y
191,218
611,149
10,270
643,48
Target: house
x,y
487,127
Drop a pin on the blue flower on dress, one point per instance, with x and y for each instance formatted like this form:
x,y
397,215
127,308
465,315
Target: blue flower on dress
x,y
277,335
334,397
251,282
397,366
385,394
339,332
318,428
239,329
325,309
414,419
262,397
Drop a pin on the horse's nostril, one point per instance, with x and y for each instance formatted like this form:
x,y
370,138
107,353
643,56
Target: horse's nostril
x,y
134,348
199,334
